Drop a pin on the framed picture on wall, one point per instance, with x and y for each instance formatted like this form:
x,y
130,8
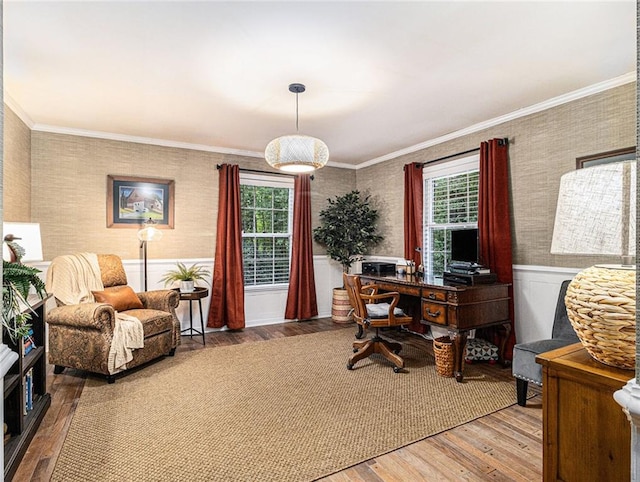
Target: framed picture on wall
x,y
132,201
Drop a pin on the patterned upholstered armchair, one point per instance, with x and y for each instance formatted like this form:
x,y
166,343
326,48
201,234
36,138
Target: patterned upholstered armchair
x,y
80,335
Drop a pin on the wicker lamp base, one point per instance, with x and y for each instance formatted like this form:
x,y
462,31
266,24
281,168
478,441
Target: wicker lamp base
x,y
601,305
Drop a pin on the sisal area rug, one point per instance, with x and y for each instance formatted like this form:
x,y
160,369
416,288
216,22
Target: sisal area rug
x,y
279,410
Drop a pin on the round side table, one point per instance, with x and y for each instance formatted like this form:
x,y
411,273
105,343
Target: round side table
x,y
191,296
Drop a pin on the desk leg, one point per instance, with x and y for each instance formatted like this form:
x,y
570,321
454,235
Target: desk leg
x,y
459,343
503,343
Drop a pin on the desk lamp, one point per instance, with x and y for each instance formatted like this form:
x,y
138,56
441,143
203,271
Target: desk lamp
x,y
595,216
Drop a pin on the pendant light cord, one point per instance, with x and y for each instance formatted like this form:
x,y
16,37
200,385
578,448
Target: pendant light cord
x,y
296,112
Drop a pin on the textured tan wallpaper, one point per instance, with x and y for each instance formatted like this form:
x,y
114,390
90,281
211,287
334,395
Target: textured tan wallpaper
x,y
69,189
16,195
69,181
543,146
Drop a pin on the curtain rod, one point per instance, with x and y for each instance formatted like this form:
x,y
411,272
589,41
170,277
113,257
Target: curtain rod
x,y
422,164
218,166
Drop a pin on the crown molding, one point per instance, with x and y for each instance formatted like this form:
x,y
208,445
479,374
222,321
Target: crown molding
x,y
17,110
556,101
525,111
142,140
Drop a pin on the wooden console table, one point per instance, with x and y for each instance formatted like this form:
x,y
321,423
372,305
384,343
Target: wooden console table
x,y
586,435
458,308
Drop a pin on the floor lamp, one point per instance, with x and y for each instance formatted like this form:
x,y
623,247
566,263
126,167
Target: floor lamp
x,y
148,233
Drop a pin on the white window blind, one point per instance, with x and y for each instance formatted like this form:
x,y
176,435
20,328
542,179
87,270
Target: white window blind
x,y
450,202
267,226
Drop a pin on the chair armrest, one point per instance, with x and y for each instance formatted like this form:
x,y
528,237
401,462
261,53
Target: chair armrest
x,y
370,289
163,300
393,295
98,316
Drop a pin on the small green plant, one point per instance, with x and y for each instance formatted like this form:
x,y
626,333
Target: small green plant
x,y
193,273
17,280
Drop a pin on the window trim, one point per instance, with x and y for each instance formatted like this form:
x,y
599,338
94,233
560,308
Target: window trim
x,y
266,180
442,169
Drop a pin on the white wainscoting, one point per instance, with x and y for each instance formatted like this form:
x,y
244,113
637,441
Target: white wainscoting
x,y
535,291
262,306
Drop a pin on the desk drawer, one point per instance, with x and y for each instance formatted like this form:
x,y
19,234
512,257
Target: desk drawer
x,y
434,312
400,288
434,295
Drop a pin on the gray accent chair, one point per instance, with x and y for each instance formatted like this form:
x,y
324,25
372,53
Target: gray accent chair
x,y
524,367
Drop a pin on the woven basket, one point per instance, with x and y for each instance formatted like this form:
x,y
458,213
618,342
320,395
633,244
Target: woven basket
x,y
601,305
443,351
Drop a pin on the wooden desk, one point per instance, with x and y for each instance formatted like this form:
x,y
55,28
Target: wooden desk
x,y
458,308
586,435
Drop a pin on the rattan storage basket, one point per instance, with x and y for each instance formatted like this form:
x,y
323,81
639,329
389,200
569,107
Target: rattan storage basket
x,y
443,351
601,305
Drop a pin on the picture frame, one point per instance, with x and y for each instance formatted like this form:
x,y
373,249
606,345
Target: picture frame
x,y
132,201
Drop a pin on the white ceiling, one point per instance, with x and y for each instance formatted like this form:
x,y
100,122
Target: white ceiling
x,y
380,76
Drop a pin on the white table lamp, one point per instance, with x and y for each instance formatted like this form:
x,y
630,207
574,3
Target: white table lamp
x,y
596,216
27,236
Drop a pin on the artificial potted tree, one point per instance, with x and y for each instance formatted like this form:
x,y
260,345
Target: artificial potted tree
x,y
348,231
186,276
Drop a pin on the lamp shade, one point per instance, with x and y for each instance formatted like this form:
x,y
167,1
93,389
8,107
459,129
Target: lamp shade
x,y
27,236
296,153
149,233
596,211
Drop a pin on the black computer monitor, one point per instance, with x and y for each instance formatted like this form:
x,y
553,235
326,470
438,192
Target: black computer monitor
x,y
464,245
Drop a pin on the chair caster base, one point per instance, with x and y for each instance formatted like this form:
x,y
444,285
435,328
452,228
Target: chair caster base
x,y
397,369
349,366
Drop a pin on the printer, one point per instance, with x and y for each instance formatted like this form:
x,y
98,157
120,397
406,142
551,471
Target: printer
x,y
378,268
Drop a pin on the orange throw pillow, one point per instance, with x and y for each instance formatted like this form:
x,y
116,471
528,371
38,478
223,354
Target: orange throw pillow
x,y
122,298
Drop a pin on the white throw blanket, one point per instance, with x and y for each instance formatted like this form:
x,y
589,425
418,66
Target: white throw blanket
x,y
71,278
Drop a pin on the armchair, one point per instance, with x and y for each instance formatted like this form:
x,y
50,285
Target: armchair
x,y
368,312
81,334
524,368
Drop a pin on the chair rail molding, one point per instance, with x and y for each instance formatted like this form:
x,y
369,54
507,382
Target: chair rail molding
x,y
628,397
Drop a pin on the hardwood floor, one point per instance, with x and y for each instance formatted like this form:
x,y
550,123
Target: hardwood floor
x,y
503,446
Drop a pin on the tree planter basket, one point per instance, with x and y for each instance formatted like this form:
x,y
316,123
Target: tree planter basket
x,y
341,311
601,305
443,351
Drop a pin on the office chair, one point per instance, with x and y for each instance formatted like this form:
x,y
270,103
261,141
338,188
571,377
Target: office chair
x,y
368,312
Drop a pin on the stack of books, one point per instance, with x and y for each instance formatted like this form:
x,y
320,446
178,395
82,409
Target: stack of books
x,y
28,391
28,342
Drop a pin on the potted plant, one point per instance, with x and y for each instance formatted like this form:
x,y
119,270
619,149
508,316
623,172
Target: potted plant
x,y
186,276
17,280
347,230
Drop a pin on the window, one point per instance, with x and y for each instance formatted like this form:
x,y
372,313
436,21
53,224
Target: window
x,y
450,202
267,217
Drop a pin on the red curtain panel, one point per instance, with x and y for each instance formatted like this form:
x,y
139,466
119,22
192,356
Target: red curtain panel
x,y
413,227
494,224
227,292
301,299
413,212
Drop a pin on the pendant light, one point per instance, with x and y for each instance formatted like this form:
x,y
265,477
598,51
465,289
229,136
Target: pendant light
x,y
296,152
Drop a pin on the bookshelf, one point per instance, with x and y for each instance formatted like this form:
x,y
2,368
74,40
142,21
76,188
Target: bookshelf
x,y
22,424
